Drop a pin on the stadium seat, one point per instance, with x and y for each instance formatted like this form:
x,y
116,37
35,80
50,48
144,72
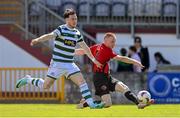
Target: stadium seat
x,y
102,7
169,8
83,8
166,1
138,8
34,9
119,7
53,4
153,8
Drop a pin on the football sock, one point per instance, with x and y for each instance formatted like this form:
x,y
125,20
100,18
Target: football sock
x,y
36,82
86,105
86,94
131,96
97,102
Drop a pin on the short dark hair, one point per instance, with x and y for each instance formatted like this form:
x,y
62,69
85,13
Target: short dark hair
x,y
69,12
137,39
133,48
123,51
158,54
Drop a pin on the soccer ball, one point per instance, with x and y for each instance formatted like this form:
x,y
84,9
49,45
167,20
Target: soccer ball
x,y
144,96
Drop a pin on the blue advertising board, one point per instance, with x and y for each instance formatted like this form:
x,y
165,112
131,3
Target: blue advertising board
x,y
164,87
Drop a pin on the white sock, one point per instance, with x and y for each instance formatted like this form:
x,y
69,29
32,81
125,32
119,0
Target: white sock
x,y
86,94
36,82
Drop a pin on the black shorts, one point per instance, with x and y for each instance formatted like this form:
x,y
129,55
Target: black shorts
x,y
103,83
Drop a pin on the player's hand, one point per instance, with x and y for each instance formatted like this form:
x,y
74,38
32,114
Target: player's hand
x,y
99,65
34,42
139,64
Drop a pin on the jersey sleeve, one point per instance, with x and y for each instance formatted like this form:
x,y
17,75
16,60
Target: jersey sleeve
x,y
93,48
113,54
80,38
57,31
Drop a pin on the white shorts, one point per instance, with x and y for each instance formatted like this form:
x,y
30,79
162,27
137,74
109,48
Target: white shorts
x,y
58,69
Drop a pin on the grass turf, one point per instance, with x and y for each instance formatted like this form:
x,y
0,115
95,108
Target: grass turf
x,y
67,110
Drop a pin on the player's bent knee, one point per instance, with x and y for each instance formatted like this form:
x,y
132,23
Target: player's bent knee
x,y
107,100
107,104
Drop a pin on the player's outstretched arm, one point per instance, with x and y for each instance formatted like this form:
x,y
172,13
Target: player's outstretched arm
x,y
43,38
79,52
87,51
128,60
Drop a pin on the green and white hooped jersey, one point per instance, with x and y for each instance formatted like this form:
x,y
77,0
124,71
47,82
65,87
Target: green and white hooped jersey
x,y
65,43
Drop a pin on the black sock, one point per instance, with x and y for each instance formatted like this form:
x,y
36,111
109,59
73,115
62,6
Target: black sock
x,y
132,97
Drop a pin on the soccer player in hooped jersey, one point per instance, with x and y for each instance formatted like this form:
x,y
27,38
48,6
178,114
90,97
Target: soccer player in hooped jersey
x,y
62,63
102,79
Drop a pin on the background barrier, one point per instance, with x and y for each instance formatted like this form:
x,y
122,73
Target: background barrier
x,y
9,77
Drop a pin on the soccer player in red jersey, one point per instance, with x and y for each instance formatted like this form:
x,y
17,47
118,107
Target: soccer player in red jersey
x,y
102,79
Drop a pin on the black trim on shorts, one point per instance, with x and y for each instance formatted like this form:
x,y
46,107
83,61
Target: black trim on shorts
x,y
52,77
73,74
64,61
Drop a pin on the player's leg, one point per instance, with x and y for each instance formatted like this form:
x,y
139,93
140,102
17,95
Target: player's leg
x,y
78,79
38,82
100,81
121,87
82,104
48,82
106,98
101,84
52,75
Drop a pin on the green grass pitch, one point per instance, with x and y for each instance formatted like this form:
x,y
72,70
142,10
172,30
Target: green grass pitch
x,y
69,110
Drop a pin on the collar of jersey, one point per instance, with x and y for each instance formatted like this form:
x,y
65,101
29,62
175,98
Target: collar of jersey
x,y
69,27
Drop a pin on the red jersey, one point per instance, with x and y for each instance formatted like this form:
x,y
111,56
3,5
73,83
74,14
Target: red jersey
x,y
102,54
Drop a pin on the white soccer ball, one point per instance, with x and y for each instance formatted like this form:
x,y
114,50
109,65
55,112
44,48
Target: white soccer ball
x,y
144,96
